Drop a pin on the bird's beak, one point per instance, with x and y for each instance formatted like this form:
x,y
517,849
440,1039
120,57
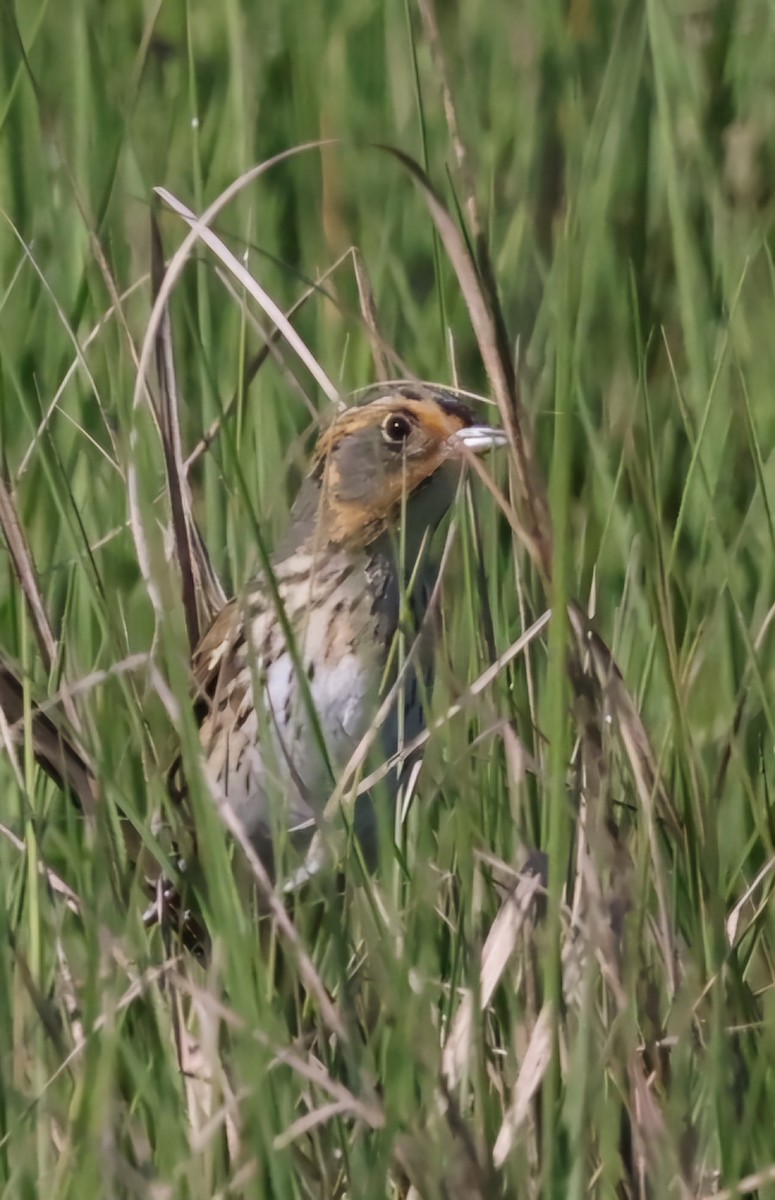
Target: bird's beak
x,y
478,439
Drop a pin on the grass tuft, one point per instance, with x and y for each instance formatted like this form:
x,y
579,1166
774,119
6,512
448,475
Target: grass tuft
x,y
561,980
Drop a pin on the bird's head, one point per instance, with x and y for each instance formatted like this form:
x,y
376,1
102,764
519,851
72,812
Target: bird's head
x,y
402,446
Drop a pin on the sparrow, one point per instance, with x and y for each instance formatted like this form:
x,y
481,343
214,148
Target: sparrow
x,y
289,676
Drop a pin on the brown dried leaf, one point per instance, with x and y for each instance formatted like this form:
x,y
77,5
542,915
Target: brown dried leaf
x,y
502,940
531,1073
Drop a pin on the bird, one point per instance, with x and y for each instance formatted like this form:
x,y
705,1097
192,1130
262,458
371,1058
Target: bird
x,y
288,676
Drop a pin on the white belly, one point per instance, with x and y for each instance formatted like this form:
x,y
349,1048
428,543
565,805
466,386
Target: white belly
x,y
274,770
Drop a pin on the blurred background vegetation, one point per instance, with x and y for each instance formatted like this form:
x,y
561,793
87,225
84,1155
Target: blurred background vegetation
x,y
623,157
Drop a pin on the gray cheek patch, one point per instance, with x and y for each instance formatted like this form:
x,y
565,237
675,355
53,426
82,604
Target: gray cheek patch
x,y
360,467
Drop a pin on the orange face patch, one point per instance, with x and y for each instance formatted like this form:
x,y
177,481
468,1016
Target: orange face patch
x,y
375,455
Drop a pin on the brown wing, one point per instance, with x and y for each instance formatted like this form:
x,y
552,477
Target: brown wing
x,y
215,663
219,657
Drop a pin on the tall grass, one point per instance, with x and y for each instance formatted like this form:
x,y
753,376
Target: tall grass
x,y
469,1035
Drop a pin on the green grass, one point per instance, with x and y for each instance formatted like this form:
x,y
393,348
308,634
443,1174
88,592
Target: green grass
x,y
621,154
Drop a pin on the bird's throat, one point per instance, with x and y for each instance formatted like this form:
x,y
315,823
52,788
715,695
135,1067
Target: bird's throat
x,y
319,518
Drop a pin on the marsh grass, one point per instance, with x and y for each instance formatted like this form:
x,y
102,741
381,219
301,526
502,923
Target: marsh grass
x,y
447,1027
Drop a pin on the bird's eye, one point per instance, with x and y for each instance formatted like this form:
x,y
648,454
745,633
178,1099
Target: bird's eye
x,y
396,428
